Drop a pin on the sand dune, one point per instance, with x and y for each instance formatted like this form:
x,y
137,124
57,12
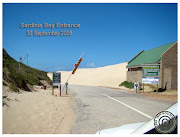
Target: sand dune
x,y
110,76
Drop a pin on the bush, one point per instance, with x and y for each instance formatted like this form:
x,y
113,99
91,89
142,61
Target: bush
x,y
127,84
23,75
4,84
13,87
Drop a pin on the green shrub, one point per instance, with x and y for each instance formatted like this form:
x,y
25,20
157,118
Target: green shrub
x,y
127,84
4,83
20,75
13,87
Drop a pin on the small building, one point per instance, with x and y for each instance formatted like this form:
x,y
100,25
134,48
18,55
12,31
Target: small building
x,y
165,56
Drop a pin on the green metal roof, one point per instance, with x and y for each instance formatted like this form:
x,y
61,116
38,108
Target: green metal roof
x,y
149,56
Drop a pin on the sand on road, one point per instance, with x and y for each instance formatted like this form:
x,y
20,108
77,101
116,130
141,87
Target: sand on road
x,y
37,113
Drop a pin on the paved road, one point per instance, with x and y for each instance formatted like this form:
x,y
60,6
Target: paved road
x,y
98,108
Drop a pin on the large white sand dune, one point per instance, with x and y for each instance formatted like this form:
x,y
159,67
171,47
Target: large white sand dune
x,y
109,76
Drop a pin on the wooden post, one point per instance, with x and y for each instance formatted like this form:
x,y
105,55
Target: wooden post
x,y
20,63
66,88
27,59
157,88
60,89
52,89
19,66
52,86
143,87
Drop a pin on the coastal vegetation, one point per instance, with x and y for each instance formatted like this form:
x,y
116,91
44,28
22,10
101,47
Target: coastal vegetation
x,y
18,75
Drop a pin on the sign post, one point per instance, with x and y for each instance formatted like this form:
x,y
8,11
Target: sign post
x,y
150,80
150,75
52,89
60,90
150,71
136,86
56,81
66,88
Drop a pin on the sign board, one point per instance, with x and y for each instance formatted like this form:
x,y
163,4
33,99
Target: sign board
x,y
150,80
56,79
150,71
136,85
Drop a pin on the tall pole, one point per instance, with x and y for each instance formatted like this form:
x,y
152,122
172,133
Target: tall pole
x,y
143,87
60,85
66,88
20,63
60,89
52,89
27,59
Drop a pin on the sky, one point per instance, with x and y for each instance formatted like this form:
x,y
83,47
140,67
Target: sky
x,y
106,30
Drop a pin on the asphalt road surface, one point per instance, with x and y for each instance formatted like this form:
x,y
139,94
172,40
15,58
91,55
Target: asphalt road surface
x,y
99,108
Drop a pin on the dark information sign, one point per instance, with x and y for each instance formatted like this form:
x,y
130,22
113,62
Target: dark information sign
x,y
150,71
57,77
